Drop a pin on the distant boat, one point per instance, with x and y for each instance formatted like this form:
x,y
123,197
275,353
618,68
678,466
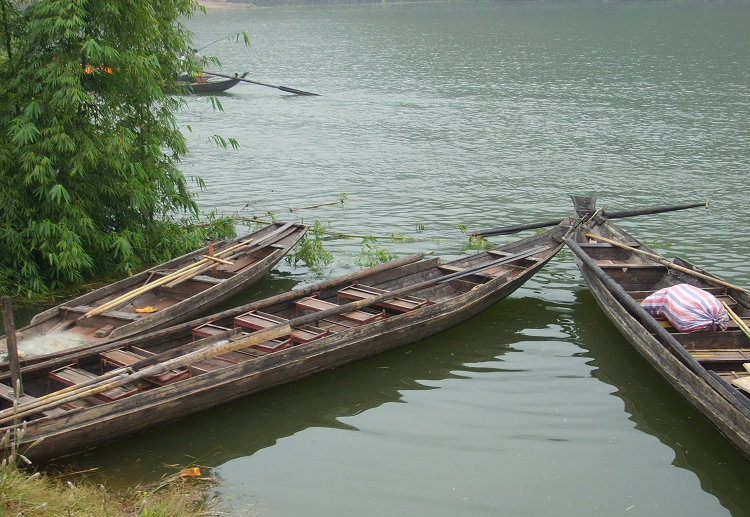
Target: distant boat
x,y
710,369
210,85
172,373
180,289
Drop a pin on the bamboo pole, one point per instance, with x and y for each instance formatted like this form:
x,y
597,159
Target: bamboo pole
x,y
273,332
189,269
666,262
740,323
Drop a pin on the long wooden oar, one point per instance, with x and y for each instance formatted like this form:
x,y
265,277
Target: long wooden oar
x,y
666,262
282,88
508,230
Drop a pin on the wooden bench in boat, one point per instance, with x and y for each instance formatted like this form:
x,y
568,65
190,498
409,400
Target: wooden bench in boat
x,y
505,254
724,356
257,320
121,357
80,310
71,375
361,317
719,292
6,393
208,329
405,303
620,264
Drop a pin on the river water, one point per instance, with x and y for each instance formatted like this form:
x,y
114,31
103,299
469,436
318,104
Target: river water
x,y
476,115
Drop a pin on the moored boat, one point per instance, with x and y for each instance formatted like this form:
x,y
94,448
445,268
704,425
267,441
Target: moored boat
x,y
163,295
708,368
211,85
140,382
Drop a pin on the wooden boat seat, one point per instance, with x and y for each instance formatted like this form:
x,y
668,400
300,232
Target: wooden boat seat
x,y
505,254
80,310
455,269
596,244
208,329
719,292
240,263
725,356
273,345
6,394
361,317
618,264
257,320
121,357
71,375
209,365
396,304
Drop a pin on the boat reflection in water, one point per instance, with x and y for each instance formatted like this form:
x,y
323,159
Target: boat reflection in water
x,y
657,409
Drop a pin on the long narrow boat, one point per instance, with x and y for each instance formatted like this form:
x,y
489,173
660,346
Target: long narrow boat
x,y
167,296
146,381
211,85
709,369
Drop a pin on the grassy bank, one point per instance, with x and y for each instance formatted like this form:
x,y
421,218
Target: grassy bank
x,y
29,492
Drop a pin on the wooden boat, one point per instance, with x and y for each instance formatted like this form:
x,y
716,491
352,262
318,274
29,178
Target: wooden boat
x,y
709,369
145,381
174,291
212,85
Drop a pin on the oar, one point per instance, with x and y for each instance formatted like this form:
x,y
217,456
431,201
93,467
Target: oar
x,y
508,230
666,262
282,88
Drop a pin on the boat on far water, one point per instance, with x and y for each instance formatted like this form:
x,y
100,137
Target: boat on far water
x,y
210,85
163,295
709,368
109,391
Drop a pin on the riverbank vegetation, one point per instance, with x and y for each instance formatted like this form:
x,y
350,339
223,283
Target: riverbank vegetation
x,y
90,150
24,492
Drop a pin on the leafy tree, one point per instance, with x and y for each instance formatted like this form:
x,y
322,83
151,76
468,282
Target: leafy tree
x,y
89,147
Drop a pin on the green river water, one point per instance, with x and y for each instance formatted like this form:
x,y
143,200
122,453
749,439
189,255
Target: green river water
x,y
482,115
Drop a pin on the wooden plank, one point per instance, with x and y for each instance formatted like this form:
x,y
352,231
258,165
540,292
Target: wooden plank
x,y
70,376
399,303
316,305
83,309
6,393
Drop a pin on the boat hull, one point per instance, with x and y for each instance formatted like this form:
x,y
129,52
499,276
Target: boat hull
x,y
701,384
85,428
188,302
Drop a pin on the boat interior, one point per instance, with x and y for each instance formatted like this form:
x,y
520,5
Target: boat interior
x,y
725,352
87,368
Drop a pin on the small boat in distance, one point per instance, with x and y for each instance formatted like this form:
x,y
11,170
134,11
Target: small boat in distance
x,y
145,381
710,369
163,295
209,85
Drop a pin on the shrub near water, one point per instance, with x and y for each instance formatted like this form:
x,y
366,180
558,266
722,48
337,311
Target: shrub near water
x,y
89,150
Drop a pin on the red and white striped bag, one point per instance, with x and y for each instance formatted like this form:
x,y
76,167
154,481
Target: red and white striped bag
x,y
688,308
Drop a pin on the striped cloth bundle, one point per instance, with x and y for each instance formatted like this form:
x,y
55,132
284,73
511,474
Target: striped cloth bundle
x,y
688,308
